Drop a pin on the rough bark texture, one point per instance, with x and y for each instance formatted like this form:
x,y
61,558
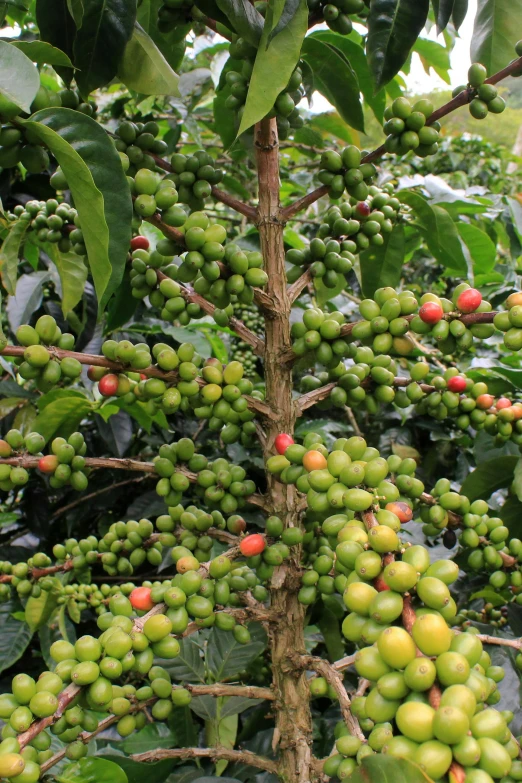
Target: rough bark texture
x,y
293,734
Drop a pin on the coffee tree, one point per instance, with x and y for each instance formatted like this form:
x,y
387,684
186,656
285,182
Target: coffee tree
x,y
260,407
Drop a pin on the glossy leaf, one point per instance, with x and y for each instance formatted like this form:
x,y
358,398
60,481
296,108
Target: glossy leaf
x,y
274,64
460,9
19,78
226,657
150,737
144,68
9,253
439,232
393,27
106,27
495,33
38,610
244,18
488,477
99,187
382,266
73,275
355,55
15,636
93,770
382,768
279,14
335,79
156,772
57,27
443,13
188,666
62,416
433,55
27,298
481,248
41,52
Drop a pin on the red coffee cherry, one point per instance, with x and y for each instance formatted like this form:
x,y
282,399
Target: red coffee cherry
x,y
469,300
252,545
108,385
139,243
48,464
431,313
457,384
140,598
282,442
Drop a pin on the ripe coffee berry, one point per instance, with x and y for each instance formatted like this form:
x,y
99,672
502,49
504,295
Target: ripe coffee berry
x,y
457,384
431,313
252,545
362,209
48,464
139,243
469,300
282,442
401,510
108,385
485,401
140,598
503,402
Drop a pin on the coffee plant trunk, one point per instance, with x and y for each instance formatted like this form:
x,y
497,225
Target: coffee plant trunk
x,y
292,712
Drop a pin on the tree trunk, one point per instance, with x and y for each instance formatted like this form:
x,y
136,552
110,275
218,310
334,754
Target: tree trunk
x,y
293,733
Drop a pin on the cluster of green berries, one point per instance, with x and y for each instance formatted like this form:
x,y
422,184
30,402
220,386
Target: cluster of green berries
x,y
510,322
220,485
194,175
152,192
345,171
484,98
53,222
68,98
337,14
137,143
407,129
237,81
16,147
38,362
240,351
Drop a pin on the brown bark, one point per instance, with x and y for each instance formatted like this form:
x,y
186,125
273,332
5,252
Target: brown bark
x,y
293,733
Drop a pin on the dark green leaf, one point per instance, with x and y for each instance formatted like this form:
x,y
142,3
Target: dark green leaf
x,y
15,636
387,769
41,52
157,772
93,770
393,28
150,737
226,658
357,59
63,416
481,248
443,15
188,666
279,15
9,255
381,266
56,26
100,42
144,68
460,9
274,64
496,31
335,79
488,477
439,232
38,610
99,187
244,18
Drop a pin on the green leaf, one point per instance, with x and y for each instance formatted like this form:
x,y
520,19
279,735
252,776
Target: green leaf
x,y
38,610
244,18
433,55
273,66
443,13
335,79
439,232
387,769
93,770
19,77
63,416
9,255
8,405
27,298
99,187
15,636
156,772
382,266
330,124
222,732
460,9
325,294
488,477
495,33
100,42
41,52
150,737
218,346
144,68
57,27
393,28
73,275
357,59
226,657
481,248
188,666
517,480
